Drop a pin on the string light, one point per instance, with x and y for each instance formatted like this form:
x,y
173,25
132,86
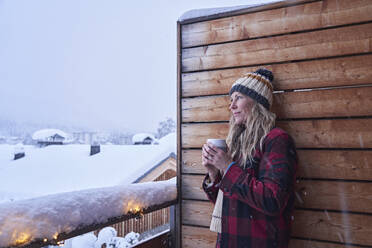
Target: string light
x,y
61,243
22,238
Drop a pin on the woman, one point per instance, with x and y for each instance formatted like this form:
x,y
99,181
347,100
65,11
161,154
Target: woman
x,y
254,180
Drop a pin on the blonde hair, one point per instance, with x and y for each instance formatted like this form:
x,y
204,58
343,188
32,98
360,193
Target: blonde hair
x,y
243,139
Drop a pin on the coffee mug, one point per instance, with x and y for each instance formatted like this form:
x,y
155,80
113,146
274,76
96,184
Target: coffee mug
x,y
220,143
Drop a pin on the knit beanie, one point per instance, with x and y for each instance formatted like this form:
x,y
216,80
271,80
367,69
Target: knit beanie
x,y
257,85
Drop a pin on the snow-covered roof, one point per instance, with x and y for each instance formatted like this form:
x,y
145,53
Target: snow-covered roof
x,y
46,133
140,137
211,12
56,169
169,141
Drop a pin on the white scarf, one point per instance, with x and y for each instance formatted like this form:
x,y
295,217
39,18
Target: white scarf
x,y
216,222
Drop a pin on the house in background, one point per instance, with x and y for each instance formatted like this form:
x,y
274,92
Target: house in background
x,y
163,170
143,139
47,137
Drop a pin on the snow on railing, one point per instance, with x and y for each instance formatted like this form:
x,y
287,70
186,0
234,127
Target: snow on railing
x,y
50,219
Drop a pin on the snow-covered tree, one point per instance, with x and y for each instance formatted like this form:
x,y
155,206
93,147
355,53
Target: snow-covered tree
x,y
165,127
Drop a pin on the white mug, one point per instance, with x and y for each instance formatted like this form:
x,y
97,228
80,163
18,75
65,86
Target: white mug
x,y
220,143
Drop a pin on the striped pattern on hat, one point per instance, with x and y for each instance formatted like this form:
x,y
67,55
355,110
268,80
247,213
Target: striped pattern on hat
x,y
257,85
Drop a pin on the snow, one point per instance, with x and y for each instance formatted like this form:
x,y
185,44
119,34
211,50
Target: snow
x,y
85,240
105,236
57,188
196,13
44,134
65,168
46,217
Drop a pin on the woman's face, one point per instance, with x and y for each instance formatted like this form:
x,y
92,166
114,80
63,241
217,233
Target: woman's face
x,y
240,107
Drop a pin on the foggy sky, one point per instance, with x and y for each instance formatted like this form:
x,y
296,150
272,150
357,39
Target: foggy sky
x,y
100,64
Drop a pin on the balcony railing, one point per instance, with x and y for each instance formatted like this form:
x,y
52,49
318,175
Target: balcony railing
x,y
51,219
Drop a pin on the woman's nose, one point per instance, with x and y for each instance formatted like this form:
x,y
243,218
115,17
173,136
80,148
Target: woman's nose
x,y
232,105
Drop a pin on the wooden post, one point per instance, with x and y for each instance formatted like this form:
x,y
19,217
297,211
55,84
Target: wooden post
x,y
172,224
177,209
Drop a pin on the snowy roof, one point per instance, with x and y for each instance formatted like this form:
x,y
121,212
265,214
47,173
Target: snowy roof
x,y
214,12
140,137
56,169
46,133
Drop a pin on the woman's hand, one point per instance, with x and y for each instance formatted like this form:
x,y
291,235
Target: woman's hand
x,y
215,156
212,171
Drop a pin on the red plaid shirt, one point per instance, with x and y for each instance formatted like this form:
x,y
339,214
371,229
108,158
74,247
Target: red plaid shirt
x,y
258,201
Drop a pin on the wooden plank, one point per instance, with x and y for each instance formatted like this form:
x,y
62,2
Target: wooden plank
x,y
345,71
324,103
351,165
331,195
197,213
195,135
198,237
203,237
191,162
192,187
335,164
277,21
296,243
304,104
331,226
341,133
337,227
301,46
212,108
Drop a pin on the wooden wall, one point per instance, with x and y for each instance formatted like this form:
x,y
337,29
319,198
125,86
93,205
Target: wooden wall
x,y
321,55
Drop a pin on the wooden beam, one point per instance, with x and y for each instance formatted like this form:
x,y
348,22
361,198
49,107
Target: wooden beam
x,y
344,71
302,46
178,210
204,238
334,164
338,133
289,105
337,227
334,195
296,243
301,17
331,195
321,225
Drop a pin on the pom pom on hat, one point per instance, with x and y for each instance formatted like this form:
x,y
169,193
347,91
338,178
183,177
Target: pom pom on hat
x,y
266,73
257,85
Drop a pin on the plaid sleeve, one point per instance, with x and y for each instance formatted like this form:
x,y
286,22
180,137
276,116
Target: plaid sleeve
x,y
269,191
211,189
